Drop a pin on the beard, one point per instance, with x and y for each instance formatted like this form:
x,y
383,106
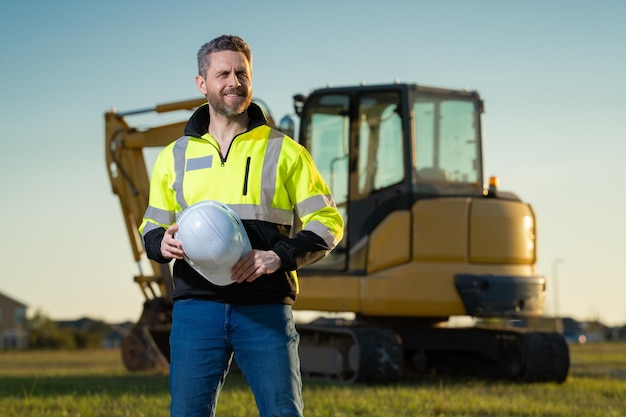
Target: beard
x,y
219,105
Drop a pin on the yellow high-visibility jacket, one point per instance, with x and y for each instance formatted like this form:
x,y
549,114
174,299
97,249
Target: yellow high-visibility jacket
x,y
265,178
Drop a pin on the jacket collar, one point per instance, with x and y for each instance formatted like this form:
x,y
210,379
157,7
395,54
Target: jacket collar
x,y
198,123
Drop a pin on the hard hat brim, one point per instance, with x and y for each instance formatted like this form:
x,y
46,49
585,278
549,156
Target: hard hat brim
x,y
221,278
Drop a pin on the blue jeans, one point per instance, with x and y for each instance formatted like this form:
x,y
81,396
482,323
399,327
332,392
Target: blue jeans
x,y
263,338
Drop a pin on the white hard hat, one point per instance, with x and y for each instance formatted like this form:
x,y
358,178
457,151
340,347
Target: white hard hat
x,y
213,239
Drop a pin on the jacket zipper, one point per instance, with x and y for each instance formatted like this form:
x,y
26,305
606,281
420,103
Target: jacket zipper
x,y
247,173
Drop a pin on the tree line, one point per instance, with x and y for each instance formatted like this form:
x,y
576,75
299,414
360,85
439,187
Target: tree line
x,y
45,333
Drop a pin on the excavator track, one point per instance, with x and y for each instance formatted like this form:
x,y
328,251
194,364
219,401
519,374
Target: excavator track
x,y
382,350
350,354
359,353
514,354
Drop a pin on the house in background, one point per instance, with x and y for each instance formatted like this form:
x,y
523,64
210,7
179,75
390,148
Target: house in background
x,y
12,320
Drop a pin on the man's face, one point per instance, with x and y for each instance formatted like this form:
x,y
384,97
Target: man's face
x,y
227,83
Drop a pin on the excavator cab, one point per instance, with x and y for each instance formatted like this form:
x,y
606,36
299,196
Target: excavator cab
x,y
381,148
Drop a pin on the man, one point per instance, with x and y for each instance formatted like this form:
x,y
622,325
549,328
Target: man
x,y
229,154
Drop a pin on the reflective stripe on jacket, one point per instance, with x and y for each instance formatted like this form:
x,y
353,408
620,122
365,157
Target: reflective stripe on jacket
x,y
265,178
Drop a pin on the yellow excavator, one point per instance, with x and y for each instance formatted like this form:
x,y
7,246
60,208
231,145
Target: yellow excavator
x,y
425,241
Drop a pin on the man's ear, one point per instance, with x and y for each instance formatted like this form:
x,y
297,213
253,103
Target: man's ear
x,y
201,84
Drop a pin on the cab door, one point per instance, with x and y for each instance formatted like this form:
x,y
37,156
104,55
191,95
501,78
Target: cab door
x,y
356,138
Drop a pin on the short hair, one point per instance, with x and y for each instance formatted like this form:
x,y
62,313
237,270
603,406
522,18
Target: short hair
x,y
221,43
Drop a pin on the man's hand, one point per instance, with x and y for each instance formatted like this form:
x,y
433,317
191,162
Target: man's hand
x,y
170,247
254,264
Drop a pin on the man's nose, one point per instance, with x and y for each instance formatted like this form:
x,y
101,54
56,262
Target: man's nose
x,y
235,80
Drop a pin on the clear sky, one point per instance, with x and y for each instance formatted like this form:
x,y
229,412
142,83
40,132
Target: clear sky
x,y
552,74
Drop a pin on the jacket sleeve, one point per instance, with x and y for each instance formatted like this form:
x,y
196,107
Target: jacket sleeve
x,y
152,244
160,213
322,224
304,249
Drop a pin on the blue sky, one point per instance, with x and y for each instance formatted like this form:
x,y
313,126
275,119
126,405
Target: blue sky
x,y
552,74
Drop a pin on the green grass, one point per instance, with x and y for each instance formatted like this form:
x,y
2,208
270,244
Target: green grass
x,y
94,383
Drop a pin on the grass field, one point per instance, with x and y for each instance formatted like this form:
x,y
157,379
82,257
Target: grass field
x,y
94,383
